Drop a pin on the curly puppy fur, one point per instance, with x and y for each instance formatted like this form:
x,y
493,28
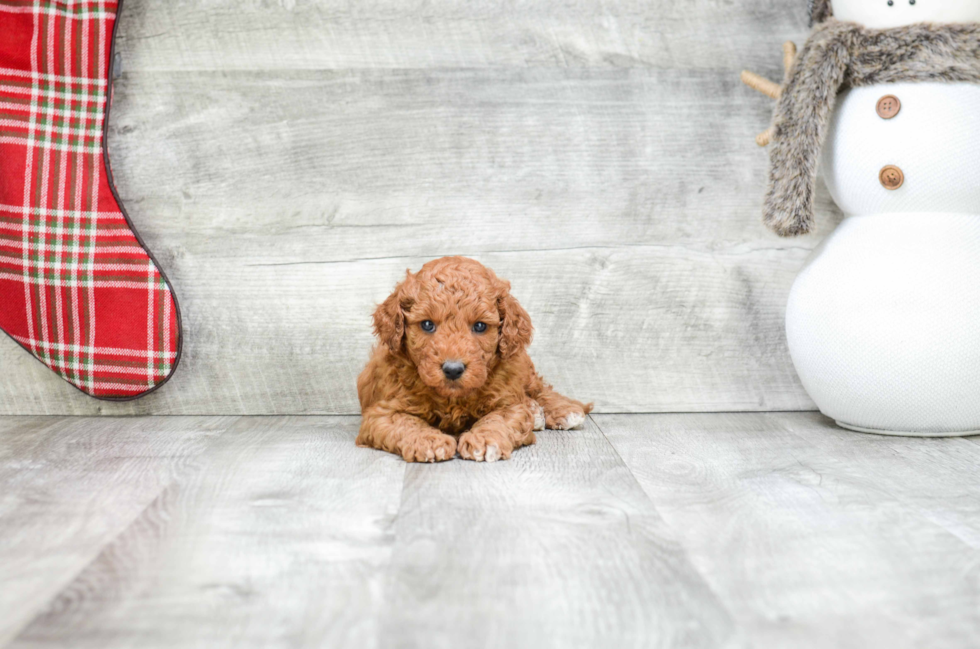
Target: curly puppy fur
x,y
408,404
840,55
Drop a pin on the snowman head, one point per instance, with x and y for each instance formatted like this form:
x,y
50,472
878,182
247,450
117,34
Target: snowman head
x,y
884,14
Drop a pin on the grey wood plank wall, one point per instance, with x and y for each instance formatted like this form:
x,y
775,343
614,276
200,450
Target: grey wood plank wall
x,y
287,161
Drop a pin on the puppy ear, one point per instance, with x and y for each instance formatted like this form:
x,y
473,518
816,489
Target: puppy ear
x,y
389,317
515,329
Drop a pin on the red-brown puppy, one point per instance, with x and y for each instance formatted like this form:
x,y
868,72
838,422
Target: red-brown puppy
x,y
451,372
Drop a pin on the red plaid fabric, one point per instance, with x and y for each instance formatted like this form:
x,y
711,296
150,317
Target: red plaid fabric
x,y
77,287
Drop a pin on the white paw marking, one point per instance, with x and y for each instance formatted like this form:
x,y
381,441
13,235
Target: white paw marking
x,y
493,453
539,420
574,420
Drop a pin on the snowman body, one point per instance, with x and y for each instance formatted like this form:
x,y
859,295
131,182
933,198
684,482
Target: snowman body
x,y
883,322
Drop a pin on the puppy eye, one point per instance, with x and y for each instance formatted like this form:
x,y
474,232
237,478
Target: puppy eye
x,y
480,327
428,326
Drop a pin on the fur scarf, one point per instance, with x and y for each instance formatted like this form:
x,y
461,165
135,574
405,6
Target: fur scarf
x,y
840,55
820,10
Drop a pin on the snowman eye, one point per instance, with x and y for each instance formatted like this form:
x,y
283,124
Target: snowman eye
x,y
891,3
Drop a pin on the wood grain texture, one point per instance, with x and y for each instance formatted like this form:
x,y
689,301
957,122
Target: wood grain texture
x,y
815,536
425,34
557,547
279,539
70,486
292,223
286,161
700,530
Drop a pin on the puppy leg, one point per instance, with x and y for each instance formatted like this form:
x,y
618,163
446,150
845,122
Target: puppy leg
x,y
405,435
560,412
496,435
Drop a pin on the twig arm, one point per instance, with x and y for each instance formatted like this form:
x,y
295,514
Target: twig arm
x,y
760,83
769,88
789,56
764,138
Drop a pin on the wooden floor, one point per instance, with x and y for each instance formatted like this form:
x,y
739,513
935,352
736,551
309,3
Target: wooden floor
x,y
702,530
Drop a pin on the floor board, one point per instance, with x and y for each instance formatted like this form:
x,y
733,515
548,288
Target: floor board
x,y
69,487
706,530
558,547
278,539
814,536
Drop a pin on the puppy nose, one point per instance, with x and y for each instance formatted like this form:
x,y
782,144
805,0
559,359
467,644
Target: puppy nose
x,y
453,369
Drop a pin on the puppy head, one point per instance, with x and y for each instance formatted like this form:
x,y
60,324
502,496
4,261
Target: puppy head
x,y
455,319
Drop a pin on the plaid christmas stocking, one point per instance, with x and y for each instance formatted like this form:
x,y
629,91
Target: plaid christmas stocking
x,y
78,289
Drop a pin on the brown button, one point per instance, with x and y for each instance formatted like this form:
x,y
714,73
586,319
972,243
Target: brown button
x,y
888,106
891,177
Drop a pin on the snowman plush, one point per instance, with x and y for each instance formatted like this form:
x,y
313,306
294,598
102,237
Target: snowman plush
x,y
883,322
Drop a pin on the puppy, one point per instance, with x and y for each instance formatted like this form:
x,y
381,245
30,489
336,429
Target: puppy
x,y
451,372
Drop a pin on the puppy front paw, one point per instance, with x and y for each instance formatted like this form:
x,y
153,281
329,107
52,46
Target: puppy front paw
x,y
568,421
484,446
428,447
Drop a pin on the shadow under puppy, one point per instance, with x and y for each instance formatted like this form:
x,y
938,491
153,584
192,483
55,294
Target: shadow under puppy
x,y
451,372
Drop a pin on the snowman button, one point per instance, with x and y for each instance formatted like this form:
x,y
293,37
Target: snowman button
x,y
891,177
888,106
